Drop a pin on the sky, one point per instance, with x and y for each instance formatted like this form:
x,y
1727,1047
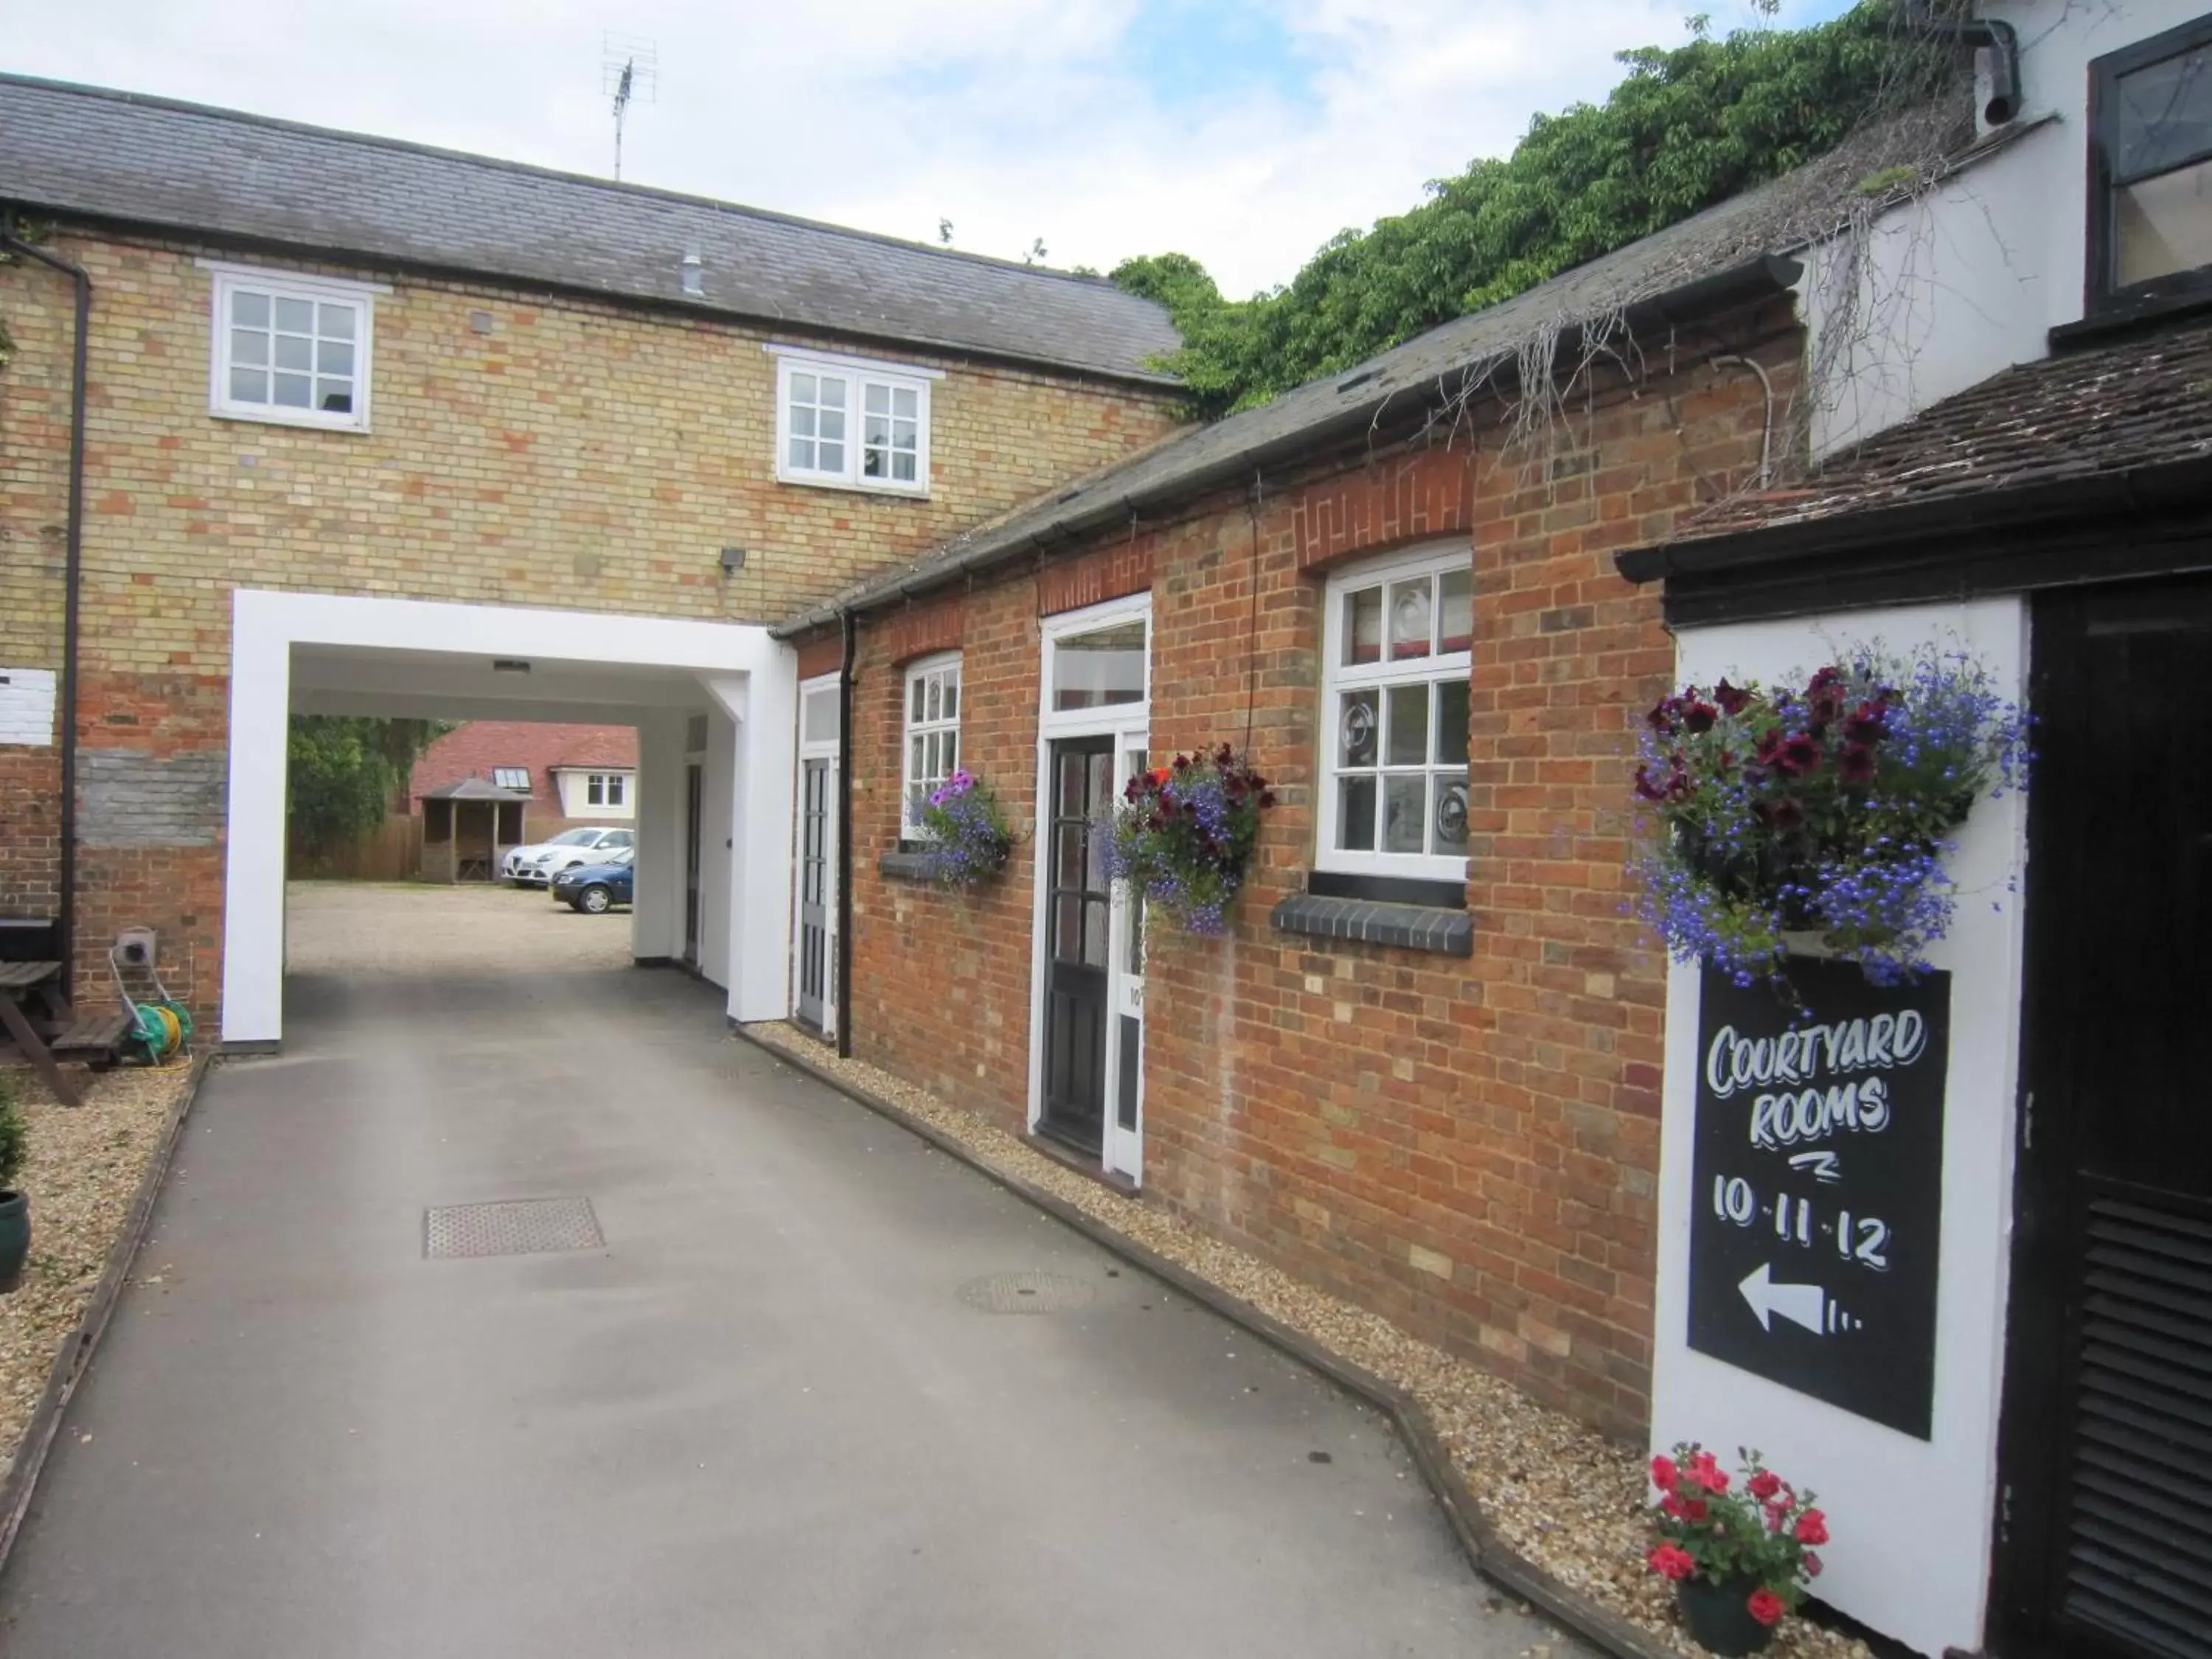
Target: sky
x,y
1244,132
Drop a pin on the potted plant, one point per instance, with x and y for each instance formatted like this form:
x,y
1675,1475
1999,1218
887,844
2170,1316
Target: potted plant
x,y
1184,832
1819,812
1739,1554
969,842
15,1203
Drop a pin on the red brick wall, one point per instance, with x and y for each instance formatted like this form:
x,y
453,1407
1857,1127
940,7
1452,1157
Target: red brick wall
x,y
1469,1146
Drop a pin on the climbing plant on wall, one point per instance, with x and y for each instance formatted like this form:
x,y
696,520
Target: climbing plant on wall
x,y
1685,128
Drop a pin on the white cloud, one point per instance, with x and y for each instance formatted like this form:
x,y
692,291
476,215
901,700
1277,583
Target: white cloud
x,y
1016,119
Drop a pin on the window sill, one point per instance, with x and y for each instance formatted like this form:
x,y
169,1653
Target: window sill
x,y
1373,921
2114,321
906,865
856,487
305,420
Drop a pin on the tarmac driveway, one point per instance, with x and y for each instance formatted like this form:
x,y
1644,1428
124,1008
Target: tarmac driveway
x,y
771,1414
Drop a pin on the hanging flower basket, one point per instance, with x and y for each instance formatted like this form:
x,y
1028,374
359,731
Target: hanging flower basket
x,y
969,842
1823,811
1184,832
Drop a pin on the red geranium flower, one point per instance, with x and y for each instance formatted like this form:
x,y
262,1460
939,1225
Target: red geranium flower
x,y
1671,1561
1662,1467
1812,1527
1765,1605
1765,1484
1694,1510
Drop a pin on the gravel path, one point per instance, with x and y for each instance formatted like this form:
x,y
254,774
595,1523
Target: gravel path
x,y
82,1172
1564,1496
352,928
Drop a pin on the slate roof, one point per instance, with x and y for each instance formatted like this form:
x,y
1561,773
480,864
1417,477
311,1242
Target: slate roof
x,y
1737,240
473,789
187,168
2074,418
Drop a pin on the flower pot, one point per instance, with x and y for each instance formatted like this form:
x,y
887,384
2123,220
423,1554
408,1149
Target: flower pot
x,y
1718,1617
14,1239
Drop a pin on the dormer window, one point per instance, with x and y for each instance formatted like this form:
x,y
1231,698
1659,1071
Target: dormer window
x,y
2150,213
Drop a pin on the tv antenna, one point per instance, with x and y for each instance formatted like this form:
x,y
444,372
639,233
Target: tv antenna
x,y
629,74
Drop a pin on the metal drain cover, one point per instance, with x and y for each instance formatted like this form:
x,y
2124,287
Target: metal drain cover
x,y
516,1227
1027,1293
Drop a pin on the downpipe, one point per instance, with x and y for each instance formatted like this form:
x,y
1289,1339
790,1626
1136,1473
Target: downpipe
x,y
845,838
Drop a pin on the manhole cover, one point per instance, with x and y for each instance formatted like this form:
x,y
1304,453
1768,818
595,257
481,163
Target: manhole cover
x,y
517,1227
1027,1293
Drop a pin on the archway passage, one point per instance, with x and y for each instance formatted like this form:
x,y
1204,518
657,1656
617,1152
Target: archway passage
x,y
713,706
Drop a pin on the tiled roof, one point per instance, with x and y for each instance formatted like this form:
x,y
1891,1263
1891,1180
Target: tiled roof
x,y
187,168
477,749
1738,235
2080,416
615,747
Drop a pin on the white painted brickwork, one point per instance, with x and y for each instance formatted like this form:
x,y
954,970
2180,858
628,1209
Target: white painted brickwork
x,y
27,707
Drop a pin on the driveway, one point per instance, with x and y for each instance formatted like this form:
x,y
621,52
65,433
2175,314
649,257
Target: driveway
x,y
773,1413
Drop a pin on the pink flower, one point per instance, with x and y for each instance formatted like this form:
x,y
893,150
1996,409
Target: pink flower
x,y
1663,1474
1671,1561
1812,1527
1812,1565
1764,1485
1765,1605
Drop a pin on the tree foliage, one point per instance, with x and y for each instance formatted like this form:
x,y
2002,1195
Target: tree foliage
x,y
345,771
1684,129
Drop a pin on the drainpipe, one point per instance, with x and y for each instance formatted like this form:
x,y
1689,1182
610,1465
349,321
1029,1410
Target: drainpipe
x,y
845,839
2002,42
72,581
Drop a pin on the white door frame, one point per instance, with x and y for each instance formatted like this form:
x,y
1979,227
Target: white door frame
x,y
1129,724
832,751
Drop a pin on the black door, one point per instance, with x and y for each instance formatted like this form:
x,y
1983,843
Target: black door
x,y
1078,943
691,803
2106,1513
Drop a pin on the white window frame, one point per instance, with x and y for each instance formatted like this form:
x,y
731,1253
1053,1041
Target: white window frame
x,y
857,373
500,774
229,279
606,789
940,665
1338,677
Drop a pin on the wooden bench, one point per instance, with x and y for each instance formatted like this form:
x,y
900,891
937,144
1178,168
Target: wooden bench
x,y
22,983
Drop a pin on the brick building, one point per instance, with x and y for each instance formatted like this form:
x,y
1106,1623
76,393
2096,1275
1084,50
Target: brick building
x,y
572,774
390,395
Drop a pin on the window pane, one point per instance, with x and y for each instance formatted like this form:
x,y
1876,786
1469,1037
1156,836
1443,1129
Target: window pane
x,y
292,392
906,402
1410,619
334,357
1097,939
832,457
1101,668
876,431
294,352
1068,928
1408,740
1355,814
876,399
616,788
932,747
1405,812
249,346
335,322
914,699
916,770
1067,855
295,316
951,753
2163,225
592,787
903,467
952,695
871,463
2164,116
1448,814
903,434
1455,611
1358,724
933,701
833,393
249,386
803,389
334,396
1362,626
1452,722
249,310
802,455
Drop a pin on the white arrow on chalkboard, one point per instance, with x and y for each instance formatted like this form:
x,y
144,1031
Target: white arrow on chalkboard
x,y
1802,1304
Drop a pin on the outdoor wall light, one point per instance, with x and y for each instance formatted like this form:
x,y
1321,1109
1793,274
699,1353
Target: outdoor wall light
x,y
509,665
734,559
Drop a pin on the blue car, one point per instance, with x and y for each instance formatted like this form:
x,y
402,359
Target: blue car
x,y
595,888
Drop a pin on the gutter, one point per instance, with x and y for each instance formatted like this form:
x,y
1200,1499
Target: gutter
x,y
1759,277
72,585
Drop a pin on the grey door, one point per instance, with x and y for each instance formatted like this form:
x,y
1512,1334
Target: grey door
x,y
814,893
1079,941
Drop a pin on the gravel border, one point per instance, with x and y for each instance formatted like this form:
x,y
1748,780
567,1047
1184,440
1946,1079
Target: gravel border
x,y
79,1216
1542,1505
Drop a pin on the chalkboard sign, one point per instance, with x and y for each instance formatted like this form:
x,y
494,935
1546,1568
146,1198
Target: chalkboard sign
x,y
1818,1186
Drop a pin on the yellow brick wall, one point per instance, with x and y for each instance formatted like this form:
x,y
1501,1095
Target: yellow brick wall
x,y
577,454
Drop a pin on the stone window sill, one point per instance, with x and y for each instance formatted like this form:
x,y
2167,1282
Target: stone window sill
x,y
1372,922
903,865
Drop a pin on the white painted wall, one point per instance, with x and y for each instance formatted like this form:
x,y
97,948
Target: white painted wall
x,y
1911,1519
1967,281
743,664
575,793
656,915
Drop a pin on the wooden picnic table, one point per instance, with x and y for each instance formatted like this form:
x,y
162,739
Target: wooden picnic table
x,y
35,1011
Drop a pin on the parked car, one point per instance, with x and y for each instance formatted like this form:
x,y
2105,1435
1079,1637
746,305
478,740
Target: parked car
x,y
595,888
534,867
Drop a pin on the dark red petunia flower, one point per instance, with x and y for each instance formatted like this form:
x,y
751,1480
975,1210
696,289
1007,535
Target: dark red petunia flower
x,y
1784,817
1856,763
1800,755
1733,699
1699,717
1869,724
1770,749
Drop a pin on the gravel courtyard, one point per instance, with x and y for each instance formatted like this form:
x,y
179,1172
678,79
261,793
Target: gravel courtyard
x,y
352,928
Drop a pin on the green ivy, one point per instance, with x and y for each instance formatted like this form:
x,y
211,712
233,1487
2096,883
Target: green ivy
x,y
345,772
1686,128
